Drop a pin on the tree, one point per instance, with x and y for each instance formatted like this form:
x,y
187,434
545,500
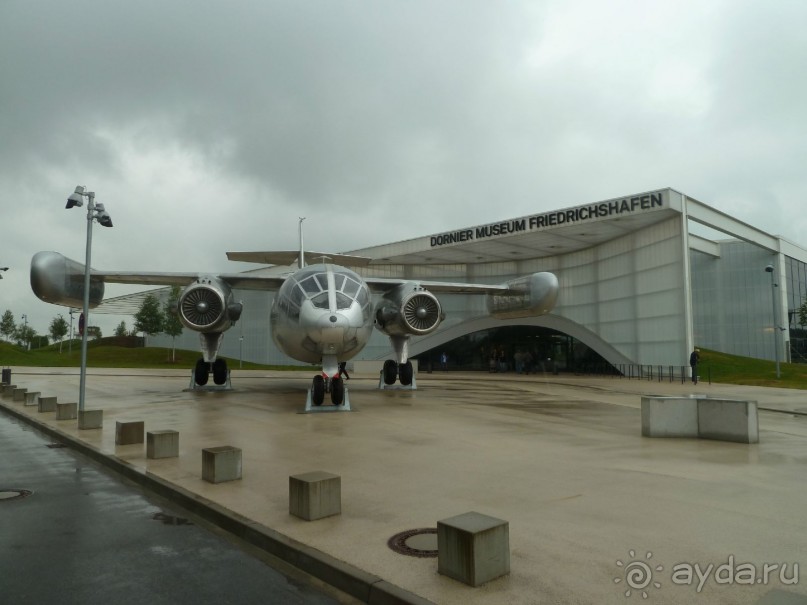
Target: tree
x,y
149,319
802,314
23,335
58,330
7,326
171,325
121,329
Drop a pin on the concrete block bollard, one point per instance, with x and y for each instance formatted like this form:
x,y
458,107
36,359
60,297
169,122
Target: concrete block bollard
x,y
8,391
90,419
19,394
473,548
728,420
669,417
46,404
127,433
162,444
66,411
315,495
221,464
32,397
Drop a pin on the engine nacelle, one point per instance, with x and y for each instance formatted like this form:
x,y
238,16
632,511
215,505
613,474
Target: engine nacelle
x,y
528,296
60,281
408,310
207,305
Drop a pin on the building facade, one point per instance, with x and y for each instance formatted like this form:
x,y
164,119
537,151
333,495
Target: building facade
x,y
643,279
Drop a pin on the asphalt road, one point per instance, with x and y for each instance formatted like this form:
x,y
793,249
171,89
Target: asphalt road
x,y
84,536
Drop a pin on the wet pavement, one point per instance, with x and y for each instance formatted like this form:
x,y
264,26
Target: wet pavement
x,y
76,534
589,501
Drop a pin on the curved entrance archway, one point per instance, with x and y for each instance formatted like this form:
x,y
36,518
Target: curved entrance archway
x,y
551,338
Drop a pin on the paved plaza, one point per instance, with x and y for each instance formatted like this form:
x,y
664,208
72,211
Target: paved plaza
x,y
590,502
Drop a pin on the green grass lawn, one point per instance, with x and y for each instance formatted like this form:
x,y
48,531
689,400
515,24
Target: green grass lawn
x,y
102,354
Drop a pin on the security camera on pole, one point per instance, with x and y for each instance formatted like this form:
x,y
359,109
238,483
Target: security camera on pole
x,y
99,213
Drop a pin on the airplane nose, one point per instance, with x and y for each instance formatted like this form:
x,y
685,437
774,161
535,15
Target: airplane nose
x,y
331,328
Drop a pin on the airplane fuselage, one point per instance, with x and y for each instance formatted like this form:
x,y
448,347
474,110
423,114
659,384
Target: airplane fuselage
x,y
322,311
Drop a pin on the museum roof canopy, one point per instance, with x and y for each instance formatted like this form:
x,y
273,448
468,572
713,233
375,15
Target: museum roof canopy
x,y
534,236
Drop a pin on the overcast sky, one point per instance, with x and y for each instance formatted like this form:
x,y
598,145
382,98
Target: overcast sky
x,y
209,126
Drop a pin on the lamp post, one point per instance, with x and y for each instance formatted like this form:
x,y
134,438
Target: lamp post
x,y
769,269
24,318
94,212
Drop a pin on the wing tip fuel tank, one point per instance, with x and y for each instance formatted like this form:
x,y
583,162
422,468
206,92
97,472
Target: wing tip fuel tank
x,y
528,296
59,280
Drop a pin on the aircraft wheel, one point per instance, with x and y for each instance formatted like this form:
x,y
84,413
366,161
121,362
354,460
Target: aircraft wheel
x,y
406,372
201,372
318,390
220,371
390,371
337,391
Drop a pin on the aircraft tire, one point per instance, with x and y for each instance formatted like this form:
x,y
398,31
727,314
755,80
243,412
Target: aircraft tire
x,y
201,372
220,371
390,371
318,390
337,391
406,373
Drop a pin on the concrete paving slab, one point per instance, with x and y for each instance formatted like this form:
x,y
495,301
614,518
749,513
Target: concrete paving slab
x,y
562,458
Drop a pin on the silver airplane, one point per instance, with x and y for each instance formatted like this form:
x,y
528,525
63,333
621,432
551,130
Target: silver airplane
x,y
322,313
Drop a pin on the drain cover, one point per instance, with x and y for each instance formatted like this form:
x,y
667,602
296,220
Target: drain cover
x,y
415,542
13,494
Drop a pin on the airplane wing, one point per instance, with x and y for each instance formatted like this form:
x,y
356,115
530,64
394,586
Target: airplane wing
x,y
234,280
380,284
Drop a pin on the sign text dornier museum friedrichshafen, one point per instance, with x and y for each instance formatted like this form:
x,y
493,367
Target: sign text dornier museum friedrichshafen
x,y
580,214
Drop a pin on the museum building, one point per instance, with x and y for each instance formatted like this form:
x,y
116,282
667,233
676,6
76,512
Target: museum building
x,y
643,279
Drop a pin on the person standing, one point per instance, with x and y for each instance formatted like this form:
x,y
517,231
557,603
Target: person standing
x,y
694,359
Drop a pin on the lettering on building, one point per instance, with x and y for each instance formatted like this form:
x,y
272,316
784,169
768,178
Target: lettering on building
x,y
600,210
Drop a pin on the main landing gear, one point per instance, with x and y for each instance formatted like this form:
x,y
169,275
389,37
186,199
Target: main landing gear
x,y
335,386
397,371
203,370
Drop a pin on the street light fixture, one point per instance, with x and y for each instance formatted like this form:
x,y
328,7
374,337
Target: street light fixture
x,y
94,212
3,269
769,269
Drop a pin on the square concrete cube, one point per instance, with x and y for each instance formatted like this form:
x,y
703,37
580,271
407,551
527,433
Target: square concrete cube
x,y
315,495
90,419
46,404
8,391
473,548
127,433
66,411
162,444
669,417
19,394
728,420
221,464
32,397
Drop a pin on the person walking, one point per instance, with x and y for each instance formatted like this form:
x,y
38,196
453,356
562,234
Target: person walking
x,y
694,359
343,370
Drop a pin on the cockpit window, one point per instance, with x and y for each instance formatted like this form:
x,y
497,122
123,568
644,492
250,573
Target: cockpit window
x,y
338,280
351,287
343,301
311,285
320,301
